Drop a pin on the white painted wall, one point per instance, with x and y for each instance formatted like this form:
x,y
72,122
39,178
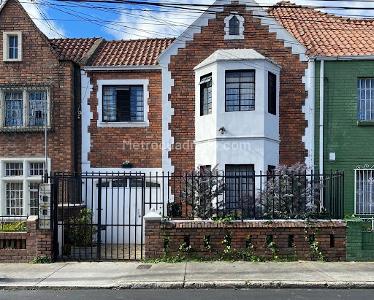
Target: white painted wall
x,y
251,137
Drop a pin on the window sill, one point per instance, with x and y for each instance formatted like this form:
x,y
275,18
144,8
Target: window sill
x,y
122,124
23,129
365,123
8,60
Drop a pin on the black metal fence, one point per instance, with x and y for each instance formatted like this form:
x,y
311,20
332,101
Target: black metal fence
x,y
99,216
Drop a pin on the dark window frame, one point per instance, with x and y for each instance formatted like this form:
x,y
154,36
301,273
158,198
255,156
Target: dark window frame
x,y
272,93
206,101
130,114
240,105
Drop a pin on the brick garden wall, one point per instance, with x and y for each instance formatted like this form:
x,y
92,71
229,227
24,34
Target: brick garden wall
x,y
107,144
25,246
257,37
330,236
39,66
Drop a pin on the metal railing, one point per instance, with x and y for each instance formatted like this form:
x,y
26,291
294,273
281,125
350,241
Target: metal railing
x,y
239,196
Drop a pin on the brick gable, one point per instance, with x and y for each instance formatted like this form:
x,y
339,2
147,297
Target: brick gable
x,y
39,66
257,37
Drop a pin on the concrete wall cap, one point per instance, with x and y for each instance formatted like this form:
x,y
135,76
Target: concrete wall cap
x,y
152,216
32,218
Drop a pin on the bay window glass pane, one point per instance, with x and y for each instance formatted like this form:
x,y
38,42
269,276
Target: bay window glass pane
x,y
206,95
37,108
240,90
14,198
13,109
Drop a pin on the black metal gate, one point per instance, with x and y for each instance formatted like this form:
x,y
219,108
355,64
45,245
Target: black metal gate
x,y
98,216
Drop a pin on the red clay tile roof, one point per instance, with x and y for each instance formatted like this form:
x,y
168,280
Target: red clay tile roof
x,y
325,34
73,49
131,52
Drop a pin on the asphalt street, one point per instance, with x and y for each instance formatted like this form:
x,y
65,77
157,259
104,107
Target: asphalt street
x,y
187,294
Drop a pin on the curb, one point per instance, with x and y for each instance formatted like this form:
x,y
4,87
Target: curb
x,y
206,285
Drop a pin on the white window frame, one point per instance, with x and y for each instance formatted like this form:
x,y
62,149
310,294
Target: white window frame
x,y
121,82
6,35
25,91
365,100
25,179
370,173
240,36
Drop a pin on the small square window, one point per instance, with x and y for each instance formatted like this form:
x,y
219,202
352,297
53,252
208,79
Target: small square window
x,y
36,169
123,103
14,169
12,45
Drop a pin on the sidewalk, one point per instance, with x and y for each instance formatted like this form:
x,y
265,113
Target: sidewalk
x,y
187,275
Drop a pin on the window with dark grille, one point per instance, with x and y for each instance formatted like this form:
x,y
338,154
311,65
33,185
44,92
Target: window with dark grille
x,y
234,24
240,90
239,188
37,108
272,93
206,95
13,108
123,103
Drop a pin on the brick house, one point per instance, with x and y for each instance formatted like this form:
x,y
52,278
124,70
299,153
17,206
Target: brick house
x,y
39,87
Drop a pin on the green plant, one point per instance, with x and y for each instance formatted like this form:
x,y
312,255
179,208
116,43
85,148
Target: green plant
x,y
289,194
185,248
315,250
207,244
227,249
13,227
81,231
41,260
202,191
224,219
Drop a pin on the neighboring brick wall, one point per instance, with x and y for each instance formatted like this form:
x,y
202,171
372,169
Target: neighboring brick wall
x,y
39,66
107,144
241,232
257,37
35,243
360,243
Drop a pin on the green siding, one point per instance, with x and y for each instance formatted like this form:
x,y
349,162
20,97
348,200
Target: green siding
x,y
352,144
360,243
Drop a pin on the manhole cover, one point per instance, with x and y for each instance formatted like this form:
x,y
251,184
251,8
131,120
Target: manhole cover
x,y
144,267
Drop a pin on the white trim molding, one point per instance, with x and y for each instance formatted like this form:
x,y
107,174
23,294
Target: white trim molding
x,y
240,36
6,35
309,111
118,82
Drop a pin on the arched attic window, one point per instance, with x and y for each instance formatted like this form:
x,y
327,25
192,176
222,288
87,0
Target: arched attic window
x,y
234,27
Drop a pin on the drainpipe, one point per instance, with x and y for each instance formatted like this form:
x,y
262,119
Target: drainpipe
x,y
321,120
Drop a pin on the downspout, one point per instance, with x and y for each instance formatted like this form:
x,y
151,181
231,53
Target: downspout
x,y
321,121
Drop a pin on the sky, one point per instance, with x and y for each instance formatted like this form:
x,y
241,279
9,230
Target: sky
x,y
119,21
